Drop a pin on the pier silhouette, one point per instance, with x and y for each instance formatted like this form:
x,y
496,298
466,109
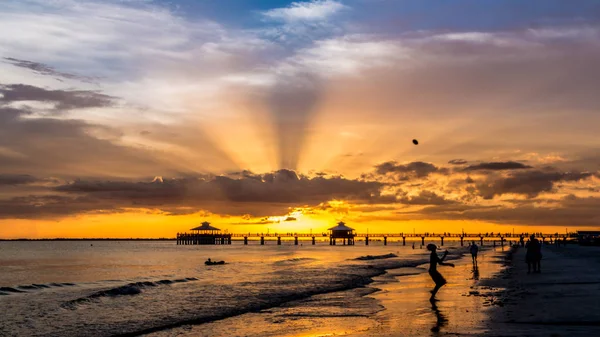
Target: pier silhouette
x,y
350,238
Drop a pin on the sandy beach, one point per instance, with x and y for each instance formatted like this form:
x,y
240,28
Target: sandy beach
x,y
560,301
502,300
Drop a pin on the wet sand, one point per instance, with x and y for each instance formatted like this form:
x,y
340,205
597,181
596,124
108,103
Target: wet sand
x,y
461,307
560,301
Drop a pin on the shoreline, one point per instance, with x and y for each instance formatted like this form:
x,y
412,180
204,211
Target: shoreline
x,y
379,308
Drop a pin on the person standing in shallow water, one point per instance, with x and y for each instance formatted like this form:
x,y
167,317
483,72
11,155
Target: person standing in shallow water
x,y
434,260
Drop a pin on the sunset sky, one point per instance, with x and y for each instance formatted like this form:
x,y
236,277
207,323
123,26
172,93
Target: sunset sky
x,y
141,118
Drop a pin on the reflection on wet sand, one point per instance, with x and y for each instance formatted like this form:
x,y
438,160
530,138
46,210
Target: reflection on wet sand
x,y
440,319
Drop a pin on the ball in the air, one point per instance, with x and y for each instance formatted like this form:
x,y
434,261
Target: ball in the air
x,y
416,142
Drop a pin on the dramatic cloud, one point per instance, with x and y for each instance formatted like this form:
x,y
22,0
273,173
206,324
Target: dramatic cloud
x,y
529,184
570,212
283,186
425,198
114,93
254,194
497,166
416,169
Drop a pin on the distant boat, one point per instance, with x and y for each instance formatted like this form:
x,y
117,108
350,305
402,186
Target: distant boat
x,y
212,263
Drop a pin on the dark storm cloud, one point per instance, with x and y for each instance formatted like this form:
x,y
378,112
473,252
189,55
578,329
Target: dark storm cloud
x,y
417,169
457,162
62,99
530,184
44,69
16,179
497,166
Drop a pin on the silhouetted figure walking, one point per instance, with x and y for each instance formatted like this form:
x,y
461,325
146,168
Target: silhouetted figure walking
x,y
533,255
434,260
474,249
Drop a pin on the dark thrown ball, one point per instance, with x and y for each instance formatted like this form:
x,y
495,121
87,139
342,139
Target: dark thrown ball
x,y
415,142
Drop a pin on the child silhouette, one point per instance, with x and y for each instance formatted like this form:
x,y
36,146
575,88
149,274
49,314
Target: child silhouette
x,y
434,260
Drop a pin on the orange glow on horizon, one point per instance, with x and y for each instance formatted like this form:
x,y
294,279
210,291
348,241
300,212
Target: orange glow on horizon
x,y
145,225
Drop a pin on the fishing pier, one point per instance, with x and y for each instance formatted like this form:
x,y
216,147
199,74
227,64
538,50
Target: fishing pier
x,y
346,236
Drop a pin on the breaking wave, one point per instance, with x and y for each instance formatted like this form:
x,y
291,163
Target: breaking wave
x,y
26,288
376,257
294,261
129,289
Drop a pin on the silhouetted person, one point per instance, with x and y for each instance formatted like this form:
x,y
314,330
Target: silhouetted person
x,y
434,260
413,245
538,258
474,249
533,255
522,240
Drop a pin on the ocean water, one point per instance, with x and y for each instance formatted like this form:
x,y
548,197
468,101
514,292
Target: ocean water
x,y
128,288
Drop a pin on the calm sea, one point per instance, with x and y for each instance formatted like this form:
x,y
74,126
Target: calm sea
x,y
107,288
